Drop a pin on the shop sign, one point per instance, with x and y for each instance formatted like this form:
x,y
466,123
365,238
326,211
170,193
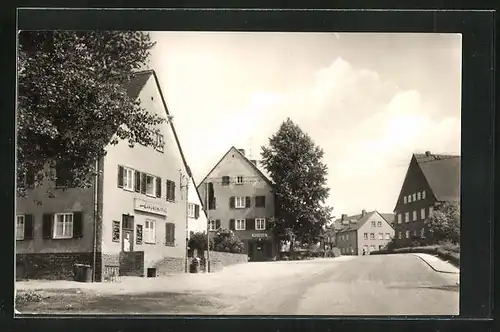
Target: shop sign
x,y
259,235
148,206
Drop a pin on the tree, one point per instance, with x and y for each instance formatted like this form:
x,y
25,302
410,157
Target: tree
x,y
226,241
72,101
295,164
198,241
443,225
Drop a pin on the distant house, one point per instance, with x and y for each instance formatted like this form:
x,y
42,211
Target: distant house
x,y
243,202
431,179
363,233
197,218
132,221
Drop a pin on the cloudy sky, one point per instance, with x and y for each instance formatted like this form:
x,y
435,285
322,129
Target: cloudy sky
x,y
369,100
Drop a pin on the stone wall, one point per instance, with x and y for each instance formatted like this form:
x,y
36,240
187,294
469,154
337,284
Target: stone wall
x,y
169,265
219,260
132,263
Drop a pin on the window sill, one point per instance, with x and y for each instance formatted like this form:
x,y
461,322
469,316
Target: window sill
x,y
145,242
240,229
129,189
171,200
169,244
151,195
62,238
20,239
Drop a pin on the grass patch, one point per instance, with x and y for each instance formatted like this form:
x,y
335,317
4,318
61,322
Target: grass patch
x,y
447,252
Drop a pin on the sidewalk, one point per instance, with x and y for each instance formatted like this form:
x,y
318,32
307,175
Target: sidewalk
x,y
437,264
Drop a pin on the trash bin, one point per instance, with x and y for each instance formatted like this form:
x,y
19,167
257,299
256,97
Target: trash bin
x,y
194,267
82,273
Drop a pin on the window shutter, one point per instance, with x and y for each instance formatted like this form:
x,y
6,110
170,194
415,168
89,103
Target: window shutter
x,y
250,224
28,226
173,190
120,176
231,202
268,224
196,211
48,221
169,234
143,183
77,225
158,187
263,201
231,224
137,185
247,201
217,223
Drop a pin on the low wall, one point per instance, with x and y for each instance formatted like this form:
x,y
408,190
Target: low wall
x,y
219,260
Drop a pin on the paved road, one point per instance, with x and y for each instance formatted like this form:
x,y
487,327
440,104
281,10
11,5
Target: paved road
x,y
400,284
367,285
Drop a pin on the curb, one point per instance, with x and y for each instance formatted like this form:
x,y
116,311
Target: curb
x,y
433,268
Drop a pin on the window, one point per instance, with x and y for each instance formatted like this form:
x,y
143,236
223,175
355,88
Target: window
x,y
372,248
365,248
239,180
409,198
212,226
150,185
20,227
260,224
128,178
380,236
422,233
387,236
191,210
373,223
379,224
169,234
365,236
260,201
419,195
431,209
407,216
400,235
407,234
170,191
225,180
372,236
422,214
415,215
150,232
63,226
415,232
240,224
405,199
239,202
380,247
414,197
400,218
160,142
423,194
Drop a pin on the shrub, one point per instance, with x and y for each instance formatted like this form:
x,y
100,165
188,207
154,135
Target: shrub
x,y
444,224
28,296
226,241
198,241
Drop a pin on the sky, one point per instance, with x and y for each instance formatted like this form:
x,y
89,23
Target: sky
x,y
369,100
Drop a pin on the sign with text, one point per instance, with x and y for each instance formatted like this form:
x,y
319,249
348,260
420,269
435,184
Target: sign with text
x,y
149,206
259,235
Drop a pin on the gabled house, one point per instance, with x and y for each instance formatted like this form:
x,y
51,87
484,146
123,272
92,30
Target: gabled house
x,y
431,179
243,202
197,218
363,233
132,221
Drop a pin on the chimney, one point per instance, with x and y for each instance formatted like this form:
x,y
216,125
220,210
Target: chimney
x,y
363,213
242,151
254,161
344,216
427,153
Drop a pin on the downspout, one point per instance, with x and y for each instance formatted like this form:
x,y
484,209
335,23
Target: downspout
x,y
96,213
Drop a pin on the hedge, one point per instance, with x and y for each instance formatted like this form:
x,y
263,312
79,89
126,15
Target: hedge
x,y
446,253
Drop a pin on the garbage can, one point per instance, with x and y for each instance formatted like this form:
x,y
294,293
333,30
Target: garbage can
x,y
194,267
82,273
77,272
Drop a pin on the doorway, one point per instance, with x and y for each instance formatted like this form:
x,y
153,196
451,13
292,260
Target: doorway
x,y
127,233
258,250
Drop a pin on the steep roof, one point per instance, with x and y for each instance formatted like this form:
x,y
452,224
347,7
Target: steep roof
x,y
442,173
389,217
258,169
134,88
356,221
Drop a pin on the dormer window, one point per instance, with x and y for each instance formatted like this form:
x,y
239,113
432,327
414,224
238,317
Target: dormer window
x,y
239,179
405,199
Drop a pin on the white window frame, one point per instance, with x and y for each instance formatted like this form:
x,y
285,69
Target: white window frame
x,y
379,224
409,198
372,247
414,197
422,233
160,141
419,195
373,224
239,179
365,236
380,236
407,216
405,199
431,209
400,235
415,215
260,224
20,224
239,202
407,234
238,223
423,194
153,193
149,233
67,224
212,225
128,178
191,210
422,213
400,218
387,236
372,236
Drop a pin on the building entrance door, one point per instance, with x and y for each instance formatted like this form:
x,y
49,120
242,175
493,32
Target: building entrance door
x,y
259,251
127,233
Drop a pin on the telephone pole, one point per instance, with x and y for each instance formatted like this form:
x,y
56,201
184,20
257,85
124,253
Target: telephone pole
x,y
207,209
